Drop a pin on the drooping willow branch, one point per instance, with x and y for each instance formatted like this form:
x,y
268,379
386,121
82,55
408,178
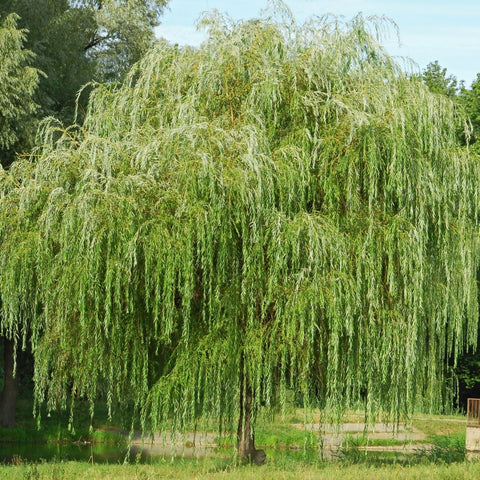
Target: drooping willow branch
x,y
283,194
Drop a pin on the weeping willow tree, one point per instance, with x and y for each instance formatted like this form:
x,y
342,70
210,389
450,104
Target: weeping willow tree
x,y
281,209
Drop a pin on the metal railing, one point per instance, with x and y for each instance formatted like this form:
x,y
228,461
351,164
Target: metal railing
x,y
473,412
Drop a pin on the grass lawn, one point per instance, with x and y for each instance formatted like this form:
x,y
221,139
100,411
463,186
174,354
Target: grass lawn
x,y
208,469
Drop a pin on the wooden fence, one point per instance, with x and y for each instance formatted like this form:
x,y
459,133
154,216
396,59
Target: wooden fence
x,y
473,412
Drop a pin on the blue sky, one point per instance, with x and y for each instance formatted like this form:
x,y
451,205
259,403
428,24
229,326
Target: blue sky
x,y
429,30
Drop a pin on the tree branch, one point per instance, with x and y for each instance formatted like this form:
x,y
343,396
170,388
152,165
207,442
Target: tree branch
x,y
93,42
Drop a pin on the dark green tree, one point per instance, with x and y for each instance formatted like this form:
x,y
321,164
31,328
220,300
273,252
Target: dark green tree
x,y
282,208
470,99
435,77
467,372
18,83
57,34
76,42
466,99
120,33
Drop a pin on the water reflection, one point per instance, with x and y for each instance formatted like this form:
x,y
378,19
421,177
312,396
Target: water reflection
x,y
16,453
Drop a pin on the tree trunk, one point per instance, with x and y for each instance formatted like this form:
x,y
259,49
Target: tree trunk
x,y
8,400
245,435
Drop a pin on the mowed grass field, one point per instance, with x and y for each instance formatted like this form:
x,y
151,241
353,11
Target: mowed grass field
x,y
212,470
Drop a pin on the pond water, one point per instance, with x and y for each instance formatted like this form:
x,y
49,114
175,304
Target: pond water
x,y
20,452
146,453
101,453
24,453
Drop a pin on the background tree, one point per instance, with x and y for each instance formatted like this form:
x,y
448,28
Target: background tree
x,y
435,77
467,372
282,208
470,99
76,42
120,33
18,81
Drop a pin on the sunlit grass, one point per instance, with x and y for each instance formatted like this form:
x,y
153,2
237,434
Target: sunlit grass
x,y
212,470
436,425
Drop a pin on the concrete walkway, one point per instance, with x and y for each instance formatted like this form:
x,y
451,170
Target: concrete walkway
x,y
203,444
334,436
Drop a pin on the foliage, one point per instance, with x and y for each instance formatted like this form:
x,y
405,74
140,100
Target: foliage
x,y
447,449
470,98
57,37
435,77
76,42
468,375
120,33
282,203
283,436
18,82
467,99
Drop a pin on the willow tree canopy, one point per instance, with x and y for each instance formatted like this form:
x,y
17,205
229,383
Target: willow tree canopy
x,y
282,204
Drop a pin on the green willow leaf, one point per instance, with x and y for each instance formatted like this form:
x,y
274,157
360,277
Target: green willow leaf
x,y
282,201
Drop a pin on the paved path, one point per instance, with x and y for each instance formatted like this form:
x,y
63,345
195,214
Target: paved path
x,y
334,436
204,444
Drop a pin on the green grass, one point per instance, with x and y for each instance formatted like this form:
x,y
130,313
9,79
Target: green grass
x,y
365,441
208,469
283,435
433,425
53,427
